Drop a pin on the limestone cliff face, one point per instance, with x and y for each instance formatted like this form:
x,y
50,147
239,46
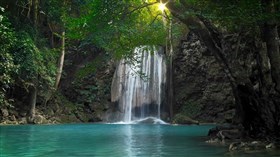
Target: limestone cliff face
x,y
201,90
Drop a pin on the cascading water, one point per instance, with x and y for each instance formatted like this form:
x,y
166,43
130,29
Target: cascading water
x,y
138,87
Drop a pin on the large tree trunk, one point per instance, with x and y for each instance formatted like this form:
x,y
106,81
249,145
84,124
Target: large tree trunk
x,y
59,70
61,61
256,110
29,8
271,38
170,92
32,103
260,113
210,38
170,54
36,11
62,54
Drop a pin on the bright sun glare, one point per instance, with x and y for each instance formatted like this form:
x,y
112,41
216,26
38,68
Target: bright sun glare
x,y
162,6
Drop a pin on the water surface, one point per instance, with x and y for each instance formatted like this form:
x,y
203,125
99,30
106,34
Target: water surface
x,y
108,140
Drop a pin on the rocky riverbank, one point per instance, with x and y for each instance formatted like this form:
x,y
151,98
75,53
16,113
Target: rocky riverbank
x,y
234,138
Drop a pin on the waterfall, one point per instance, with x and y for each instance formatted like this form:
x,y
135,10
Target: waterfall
x,y
138,85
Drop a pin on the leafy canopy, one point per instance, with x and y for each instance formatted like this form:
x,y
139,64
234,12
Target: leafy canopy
x,y
118,26
232,15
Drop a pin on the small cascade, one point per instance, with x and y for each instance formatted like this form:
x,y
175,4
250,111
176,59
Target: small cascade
x,y
138,86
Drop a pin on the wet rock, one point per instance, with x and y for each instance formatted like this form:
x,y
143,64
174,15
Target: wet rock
x,y
22,114
95,106
182,119
5,112
213,140
229,134
9,122
224,134
214,131
68,118
49,112
94,119
54,120
12,118
234,146
39,119
23,121
270,146
255,142
247,146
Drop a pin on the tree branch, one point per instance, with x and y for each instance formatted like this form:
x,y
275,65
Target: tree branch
x,y
138,8
206,33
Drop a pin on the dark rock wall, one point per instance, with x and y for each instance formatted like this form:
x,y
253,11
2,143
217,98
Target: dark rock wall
x,y
201,90
87,83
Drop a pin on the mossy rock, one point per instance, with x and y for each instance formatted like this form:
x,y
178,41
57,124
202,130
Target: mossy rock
x,y
68,119
183,119
39,119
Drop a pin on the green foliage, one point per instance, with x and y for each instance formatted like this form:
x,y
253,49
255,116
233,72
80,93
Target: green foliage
x,y
22,62
7,68
7,65
28,57
88,93
190,109
46,70
118,26
232,15
90,68
183,119
57,10
87,90
89,83
54,9
35,66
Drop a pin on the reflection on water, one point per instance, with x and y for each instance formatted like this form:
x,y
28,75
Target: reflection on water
x,y
141,140
128,140
158,141
103,140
